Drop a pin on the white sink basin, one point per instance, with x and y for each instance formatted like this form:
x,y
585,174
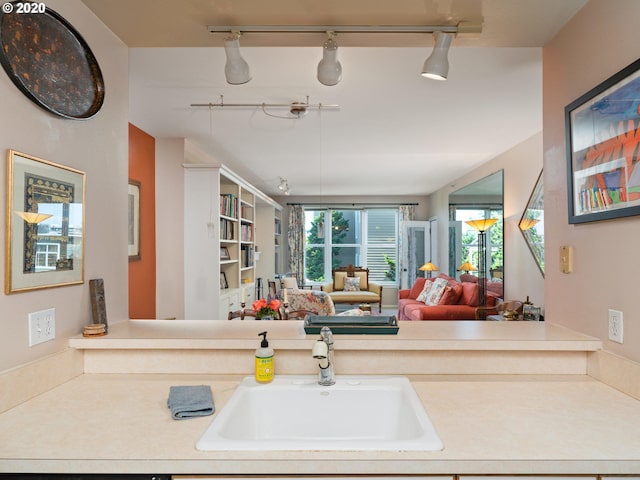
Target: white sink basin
x,y
295,413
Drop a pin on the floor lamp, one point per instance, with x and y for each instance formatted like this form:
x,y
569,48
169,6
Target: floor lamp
x,y
482,226
428,268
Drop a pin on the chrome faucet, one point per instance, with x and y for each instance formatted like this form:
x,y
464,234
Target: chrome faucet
x,y
323,351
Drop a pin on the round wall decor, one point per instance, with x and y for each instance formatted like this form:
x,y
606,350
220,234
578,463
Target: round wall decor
x,y
50,63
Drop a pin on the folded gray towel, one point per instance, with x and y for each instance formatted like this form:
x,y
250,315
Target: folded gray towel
x,y
190,401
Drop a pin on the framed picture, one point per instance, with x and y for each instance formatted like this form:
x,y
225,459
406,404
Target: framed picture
x,y
603,176
45,224
133,207
224,253
223,280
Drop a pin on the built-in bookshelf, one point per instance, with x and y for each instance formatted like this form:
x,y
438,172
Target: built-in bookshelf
x,y
277,240
221,260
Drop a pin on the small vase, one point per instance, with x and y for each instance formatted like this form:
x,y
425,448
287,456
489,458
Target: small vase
x,y
265,317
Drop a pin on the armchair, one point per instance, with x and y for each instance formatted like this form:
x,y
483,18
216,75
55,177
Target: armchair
x,y
351,285
314,301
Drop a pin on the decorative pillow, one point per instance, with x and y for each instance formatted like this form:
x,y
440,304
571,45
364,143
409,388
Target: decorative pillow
x,y
352,284
469,294
363,280
436,292
452,294
425,291
449,279
417,288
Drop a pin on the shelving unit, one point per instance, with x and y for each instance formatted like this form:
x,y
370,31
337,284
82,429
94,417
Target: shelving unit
x,y
278,240
220,260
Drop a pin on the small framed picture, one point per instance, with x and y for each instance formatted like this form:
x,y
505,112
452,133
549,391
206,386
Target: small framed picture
x,y
224,253
223,280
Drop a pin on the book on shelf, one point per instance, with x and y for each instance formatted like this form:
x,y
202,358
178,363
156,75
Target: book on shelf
x,y
246,212
246,233
227,229
229,205
246,256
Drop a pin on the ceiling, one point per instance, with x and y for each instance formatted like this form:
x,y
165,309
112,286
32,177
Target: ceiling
x,y
395,133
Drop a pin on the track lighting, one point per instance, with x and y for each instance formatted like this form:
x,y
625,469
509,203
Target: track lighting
x,y
329,68
436,66
297,110
236,69
284,186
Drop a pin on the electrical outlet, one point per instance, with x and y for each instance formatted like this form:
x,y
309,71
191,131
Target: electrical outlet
x,y
615,326
42,326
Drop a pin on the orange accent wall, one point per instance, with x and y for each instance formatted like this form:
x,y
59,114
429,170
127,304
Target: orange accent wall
x,y
142,272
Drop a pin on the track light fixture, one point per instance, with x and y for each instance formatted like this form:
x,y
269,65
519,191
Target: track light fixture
x,y
297,110
329,68
436,66
236,69
284,186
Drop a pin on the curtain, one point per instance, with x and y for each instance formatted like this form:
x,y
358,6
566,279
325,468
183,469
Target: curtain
x,y
407,213
295,240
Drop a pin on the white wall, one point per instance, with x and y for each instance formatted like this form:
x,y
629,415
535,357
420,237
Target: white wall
x,y
606,253
521,166
169,228
98,147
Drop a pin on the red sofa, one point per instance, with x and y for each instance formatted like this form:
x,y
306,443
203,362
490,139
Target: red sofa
x,y
459,302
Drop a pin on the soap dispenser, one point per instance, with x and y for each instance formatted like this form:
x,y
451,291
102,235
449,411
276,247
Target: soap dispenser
x,y
264,361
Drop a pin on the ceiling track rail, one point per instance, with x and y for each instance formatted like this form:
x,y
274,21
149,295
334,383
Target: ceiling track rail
x,y
460,28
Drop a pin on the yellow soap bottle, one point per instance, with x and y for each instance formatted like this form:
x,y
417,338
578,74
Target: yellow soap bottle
x,y
264,361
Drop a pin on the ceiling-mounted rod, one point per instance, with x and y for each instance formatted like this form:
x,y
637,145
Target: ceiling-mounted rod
x,y
305,105
462,27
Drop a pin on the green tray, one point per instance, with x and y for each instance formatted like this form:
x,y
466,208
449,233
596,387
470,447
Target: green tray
x,y
372,325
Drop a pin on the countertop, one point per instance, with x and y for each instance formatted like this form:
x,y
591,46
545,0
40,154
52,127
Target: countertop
x,y
432,335
488,424
112,421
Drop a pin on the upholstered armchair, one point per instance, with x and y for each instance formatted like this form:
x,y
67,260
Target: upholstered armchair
x,y
314,301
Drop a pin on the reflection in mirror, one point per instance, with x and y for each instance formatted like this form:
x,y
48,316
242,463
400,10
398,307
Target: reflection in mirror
x,y
532,223
480,199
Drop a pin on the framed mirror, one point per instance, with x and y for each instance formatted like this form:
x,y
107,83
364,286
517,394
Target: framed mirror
x,y
532,223
45,224
480,199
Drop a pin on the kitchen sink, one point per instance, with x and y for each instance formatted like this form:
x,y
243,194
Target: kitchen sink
x,y
295,413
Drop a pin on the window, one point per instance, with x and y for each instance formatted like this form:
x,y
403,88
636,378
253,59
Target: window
x,y
361,237
469,240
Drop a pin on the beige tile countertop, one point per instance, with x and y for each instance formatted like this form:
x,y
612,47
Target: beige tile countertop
x,y
500,424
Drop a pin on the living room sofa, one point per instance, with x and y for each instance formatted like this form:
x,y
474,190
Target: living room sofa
x,y
351,285
458,301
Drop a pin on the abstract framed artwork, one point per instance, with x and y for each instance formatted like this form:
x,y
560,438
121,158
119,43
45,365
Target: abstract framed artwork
x,y
603,149
45,224
133,207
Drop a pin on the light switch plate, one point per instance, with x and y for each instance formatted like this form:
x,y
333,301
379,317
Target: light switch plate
x,y
566,259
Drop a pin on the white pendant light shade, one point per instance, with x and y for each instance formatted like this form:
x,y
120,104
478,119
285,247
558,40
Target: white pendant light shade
x,y
236,69
329,68
436,66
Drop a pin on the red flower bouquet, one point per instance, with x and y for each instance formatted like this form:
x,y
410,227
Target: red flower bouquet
x,y
265,309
